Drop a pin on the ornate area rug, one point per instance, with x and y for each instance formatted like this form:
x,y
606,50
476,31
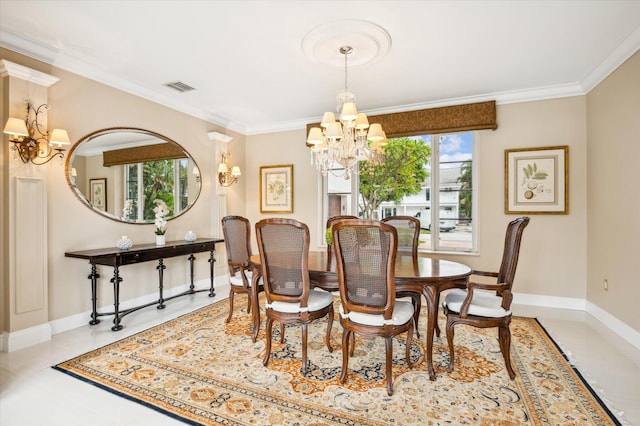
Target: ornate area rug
x,y
200,370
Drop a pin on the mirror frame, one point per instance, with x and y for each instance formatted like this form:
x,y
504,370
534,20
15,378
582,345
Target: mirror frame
x,y
85,201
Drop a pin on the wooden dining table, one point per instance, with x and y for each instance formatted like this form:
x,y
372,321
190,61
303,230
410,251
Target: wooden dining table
x,y
414,275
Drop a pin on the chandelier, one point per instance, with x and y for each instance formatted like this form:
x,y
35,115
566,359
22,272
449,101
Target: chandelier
x,y
342,143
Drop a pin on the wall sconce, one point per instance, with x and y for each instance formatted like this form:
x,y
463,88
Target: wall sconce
x,y
38,149
226,177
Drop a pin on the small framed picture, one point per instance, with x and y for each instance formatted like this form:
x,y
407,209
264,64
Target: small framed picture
x,y
276,189
537,180
98,194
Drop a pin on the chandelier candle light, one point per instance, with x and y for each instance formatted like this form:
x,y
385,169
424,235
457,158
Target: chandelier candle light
x,y
342,143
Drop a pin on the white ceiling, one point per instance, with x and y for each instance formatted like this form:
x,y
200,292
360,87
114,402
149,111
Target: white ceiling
x,y
246,61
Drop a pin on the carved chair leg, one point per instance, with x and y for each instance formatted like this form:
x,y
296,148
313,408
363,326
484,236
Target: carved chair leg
x,y
388,343
436,327
450,334
304,348
345,354
329,325
408,352
231,293
417,304
281,332
268,329
353,344
504,337
248,303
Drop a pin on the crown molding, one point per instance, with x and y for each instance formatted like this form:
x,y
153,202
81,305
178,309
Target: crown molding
x,y
52,56
8,68
619,55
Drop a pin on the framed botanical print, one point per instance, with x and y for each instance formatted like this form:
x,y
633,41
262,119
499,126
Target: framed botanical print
x,y
276,189
98,188
537,180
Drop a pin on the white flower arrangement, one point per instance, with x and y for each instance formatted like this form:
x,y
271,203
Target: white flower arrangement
x,y
161,210
128,206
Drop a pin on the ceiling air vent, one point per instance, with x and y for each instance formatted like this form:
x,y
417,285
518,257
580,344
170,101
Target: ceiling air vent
x,y
180,86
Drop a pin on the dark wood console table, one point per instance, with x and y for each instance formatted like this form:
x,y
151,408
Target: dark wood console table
x,y
137,254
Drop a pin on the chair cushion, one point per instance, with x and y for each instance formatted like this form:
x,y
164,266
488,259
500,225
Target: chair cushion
x,y
402,313
237,279
483,304
318,300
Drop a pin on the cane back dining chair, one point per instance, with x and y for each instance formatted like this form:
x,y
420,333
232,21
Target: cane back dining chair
x,y
284,256
330,222
408,228
365,259
490,305
237,240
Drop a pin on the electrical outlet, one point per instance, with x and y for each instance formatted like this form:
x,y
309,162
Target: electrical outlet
x,y
606,285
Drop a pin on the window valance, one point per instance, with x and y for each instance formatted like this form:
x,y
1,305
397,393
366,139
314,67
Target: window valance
x,y
455,118
141,154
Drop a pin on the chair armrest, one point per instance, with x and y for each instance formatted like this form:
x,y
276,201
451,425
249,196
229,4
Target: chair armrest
x,y
487,286
501,288
484,273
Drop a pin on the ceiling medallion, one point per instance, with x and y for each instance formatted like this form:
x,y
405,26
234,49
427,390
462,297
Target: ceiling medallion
x,y
369,42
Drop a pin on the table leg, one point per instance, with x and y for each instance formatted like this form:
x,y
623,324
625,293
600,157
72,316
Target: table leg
x,y
116,299
432,316
191,259
161,267
94,294
254,303
212,261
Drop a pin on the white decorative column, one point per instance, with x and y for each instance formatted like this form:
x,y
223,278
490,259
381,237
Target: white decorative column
x,y
24,219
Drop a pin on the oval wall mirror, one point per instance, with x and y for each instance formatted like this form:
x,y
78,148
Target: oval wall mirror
x,y
121,172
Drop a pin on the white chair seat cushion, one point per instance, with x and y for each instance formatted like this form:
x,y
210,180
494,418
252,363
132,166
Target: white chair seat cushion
x,y
483,304
318,300
402,313
237,279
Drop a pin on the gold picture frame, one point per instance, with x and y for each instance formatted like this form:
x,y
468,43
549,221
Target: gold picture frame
x,y
537,180
276,189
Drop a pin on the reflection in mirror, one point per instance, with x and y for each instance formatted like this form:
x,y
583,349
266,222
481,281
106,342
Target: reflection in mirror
x,y
121,172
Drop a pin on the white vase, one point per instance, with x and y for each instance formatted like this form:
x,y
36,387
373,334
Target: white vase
x,y
124,243
160,240
190,237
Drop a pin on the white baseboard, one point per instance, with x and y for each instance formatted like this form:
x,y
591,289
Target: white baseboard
x,y
549,301
26,337
614,324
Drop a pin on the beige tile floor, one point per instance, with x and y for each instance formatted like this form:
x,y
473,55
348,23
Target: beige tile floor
x,y
32,393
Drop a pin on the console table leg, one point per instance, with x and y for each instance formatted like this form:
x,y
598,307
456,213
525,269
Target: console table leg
x,y
116,299
94,294
191,259
161,269
212,261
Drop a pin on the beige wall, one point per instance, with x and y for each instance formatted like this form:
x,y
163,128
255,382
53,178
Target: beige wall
x,y
613,116
553,253
82,106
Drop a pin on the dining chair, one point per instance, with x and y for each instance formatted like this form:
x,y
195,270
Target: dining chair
x,y
490,306
408,228
237,240
330,222
365,259
284,257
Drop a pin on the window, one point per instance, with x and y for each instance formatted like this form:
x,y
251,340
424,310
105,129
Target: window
x,y
451,207
163,179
